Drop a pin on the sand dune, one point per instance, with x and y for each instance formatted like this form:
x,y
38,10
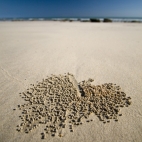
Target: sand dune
x,y
106,52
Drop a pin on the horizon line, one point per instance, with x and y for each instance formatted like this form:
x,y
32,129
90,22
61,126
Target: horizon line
x,y
74,17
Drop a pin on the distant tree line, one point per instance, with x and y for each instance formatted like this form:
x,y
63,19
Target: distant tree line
x,y
98,20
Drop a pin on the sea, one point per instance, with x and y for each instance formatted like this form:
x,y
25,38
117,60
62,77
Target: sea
x,y
83,19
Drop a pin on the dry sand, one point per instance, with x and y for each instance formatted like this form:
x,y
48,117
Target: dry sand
x,y
106,52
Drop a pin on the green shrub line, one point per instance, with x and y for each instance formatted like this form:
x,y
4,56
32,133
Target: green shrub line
x,y
107,20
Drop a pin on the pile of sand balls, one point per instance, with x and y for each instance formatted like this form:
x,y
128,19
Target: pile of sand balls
x,y
59,101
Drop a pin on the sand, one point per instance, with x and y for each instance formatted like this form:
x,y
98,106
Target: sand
x,y
106,52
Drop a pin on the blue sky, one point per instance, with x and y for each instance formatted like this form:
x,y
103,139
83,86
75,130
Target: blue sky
x,y
70,8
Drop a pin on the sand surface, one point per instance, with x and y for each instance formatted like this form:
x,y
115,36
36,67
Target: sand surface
x,y
106,52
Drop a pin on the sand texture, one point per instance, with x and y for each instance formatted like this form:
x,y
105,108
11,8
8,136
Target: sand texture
x,y
106,52
59,102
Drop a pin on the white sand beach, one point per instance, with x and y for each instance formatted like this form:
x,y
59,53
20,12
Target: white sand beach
x,y
106,52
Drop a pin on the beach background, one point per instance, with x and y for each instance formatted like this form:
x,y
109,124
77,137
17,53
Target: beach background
x,y
75,19
106,52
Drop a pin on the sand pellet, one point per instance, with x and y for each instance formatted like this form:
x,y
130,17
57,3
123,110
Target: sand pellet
x,y
58,101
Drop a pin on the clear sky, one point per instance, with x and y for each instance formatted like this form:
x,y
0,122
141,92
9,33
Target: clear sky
x,y
70,8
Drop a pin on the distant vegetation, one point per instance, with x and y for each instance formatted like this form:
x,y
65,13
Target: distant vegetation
x,y
107,20
64,20
135,21
95,20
